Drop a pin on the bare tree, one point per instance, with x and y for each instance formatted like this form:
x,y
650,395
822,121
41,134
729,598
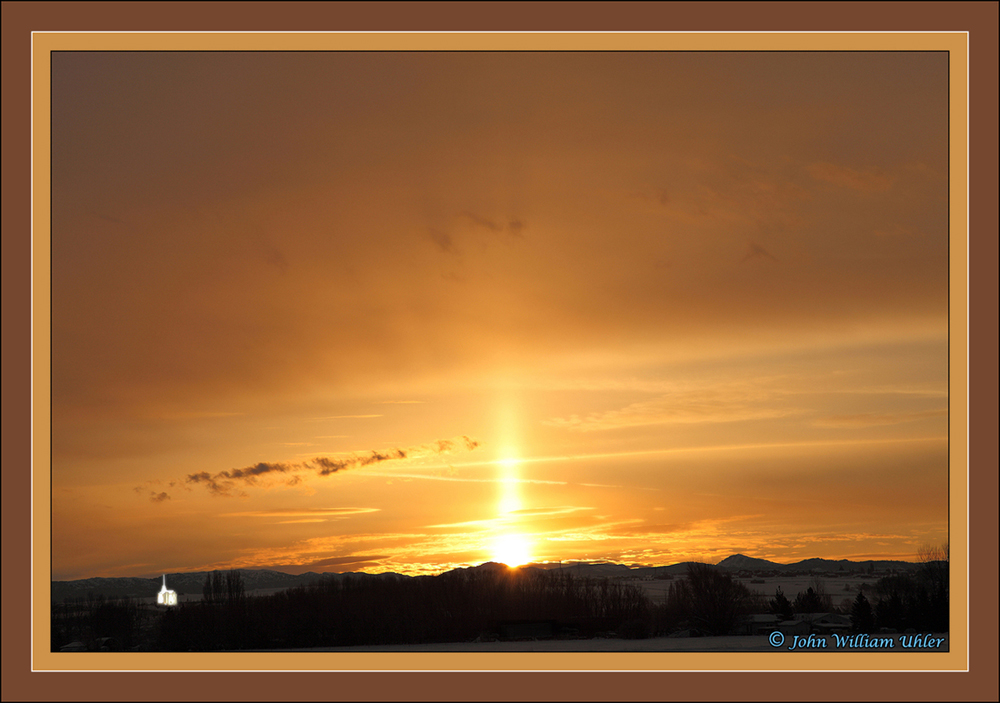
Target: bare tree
x,y
718,602
928,553
235,590
214,589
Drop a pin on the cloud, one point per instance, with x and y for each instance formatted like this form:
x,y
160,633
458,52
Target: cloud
x,y
446,446
345,417
542,512
328,466
443,240
666,529
461,479
514,226
357,560
154,496
250,473
223,482
215,486
483,222
513,517
298,512
756,251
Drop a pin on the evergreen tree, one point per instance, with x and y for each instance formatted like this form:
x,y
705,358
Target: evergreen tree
x,y
781,606
862,616
809,602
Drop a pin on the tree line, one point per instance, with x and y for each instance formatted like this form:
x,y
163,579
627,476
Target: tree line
x,y
122,623
900,602
359,609
490,603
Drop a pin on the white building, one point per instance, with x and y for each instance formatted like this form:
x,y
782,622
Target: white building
x,y
166,596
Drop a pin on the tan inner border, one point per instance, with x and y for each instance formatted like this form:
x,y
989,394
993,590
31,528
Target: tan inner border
x,y
954,42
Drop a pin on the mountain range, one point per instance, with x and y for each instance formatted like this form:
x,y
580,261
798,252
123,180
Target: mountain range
x,y
191,583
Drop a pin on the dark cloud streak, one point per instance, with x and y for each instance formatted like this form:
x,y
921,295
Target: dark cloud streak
x,y
223,482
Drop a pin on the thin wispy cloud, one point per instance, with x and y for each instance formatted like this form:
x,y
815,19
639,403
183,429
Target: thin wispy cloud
x,y
513,517
297,512
466,479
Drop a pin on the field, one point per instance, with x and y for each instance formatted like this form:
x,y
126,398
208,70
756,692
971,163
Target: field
x,y
837,587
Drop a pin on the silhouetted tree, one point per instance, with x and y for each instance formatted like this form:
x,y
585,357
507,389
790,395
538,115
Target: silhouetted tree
x,y
934,579
809,602
890,612
862,616
214,589
718,602
674,613
781,606
235,591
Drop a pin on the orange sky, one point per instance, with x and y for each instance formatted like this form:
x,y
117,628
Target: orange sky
x,y
408,311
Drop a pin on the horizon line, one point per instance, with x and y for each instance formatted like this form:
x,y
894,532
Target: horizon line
x,y
546,565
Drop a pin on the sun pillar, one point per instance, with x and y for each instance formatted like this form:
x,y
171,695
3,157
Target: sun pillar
x,y
510,545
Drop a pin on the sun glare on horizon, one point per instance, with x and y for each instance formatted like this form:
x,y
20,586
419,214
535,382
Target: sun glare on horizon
x,y
512,550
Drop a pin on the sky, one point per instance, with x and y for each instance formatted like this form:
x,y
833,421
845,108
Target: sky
x,y
411,311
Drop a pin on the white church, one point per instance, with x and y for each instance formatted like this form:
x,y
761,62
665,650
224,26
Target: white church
x,y
166,596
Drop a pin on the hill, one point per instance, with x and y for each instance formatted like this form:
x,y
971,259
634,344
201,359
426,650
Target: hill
x,y
191,583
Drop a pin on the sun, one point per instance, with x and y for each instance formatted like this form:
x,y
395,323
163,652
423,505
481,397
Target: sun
x,y
512,550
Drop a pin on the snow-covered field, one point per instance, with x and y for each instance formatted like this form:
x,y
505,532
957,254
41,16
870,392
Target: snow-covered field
x,y
837,587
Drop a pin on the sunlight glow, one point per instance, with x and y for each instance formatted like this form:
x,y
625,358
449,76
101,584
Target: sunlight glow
x,y
509,503
509,462
512,550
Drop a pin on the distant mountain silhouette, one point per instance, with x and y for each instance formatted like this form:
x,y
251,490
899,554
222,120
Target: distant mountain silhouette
x,y
741,562
185,584
190,584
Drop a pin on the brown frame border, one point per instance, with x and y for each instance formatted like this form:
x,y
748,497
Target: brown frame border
x,y
979,19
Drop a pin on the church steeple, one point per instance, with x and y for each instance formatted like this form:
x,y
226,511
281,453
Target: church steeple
x,y
166,596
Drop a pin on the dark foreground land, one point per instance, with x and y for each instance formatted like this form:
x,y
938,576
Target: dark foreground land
x,y
493,608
